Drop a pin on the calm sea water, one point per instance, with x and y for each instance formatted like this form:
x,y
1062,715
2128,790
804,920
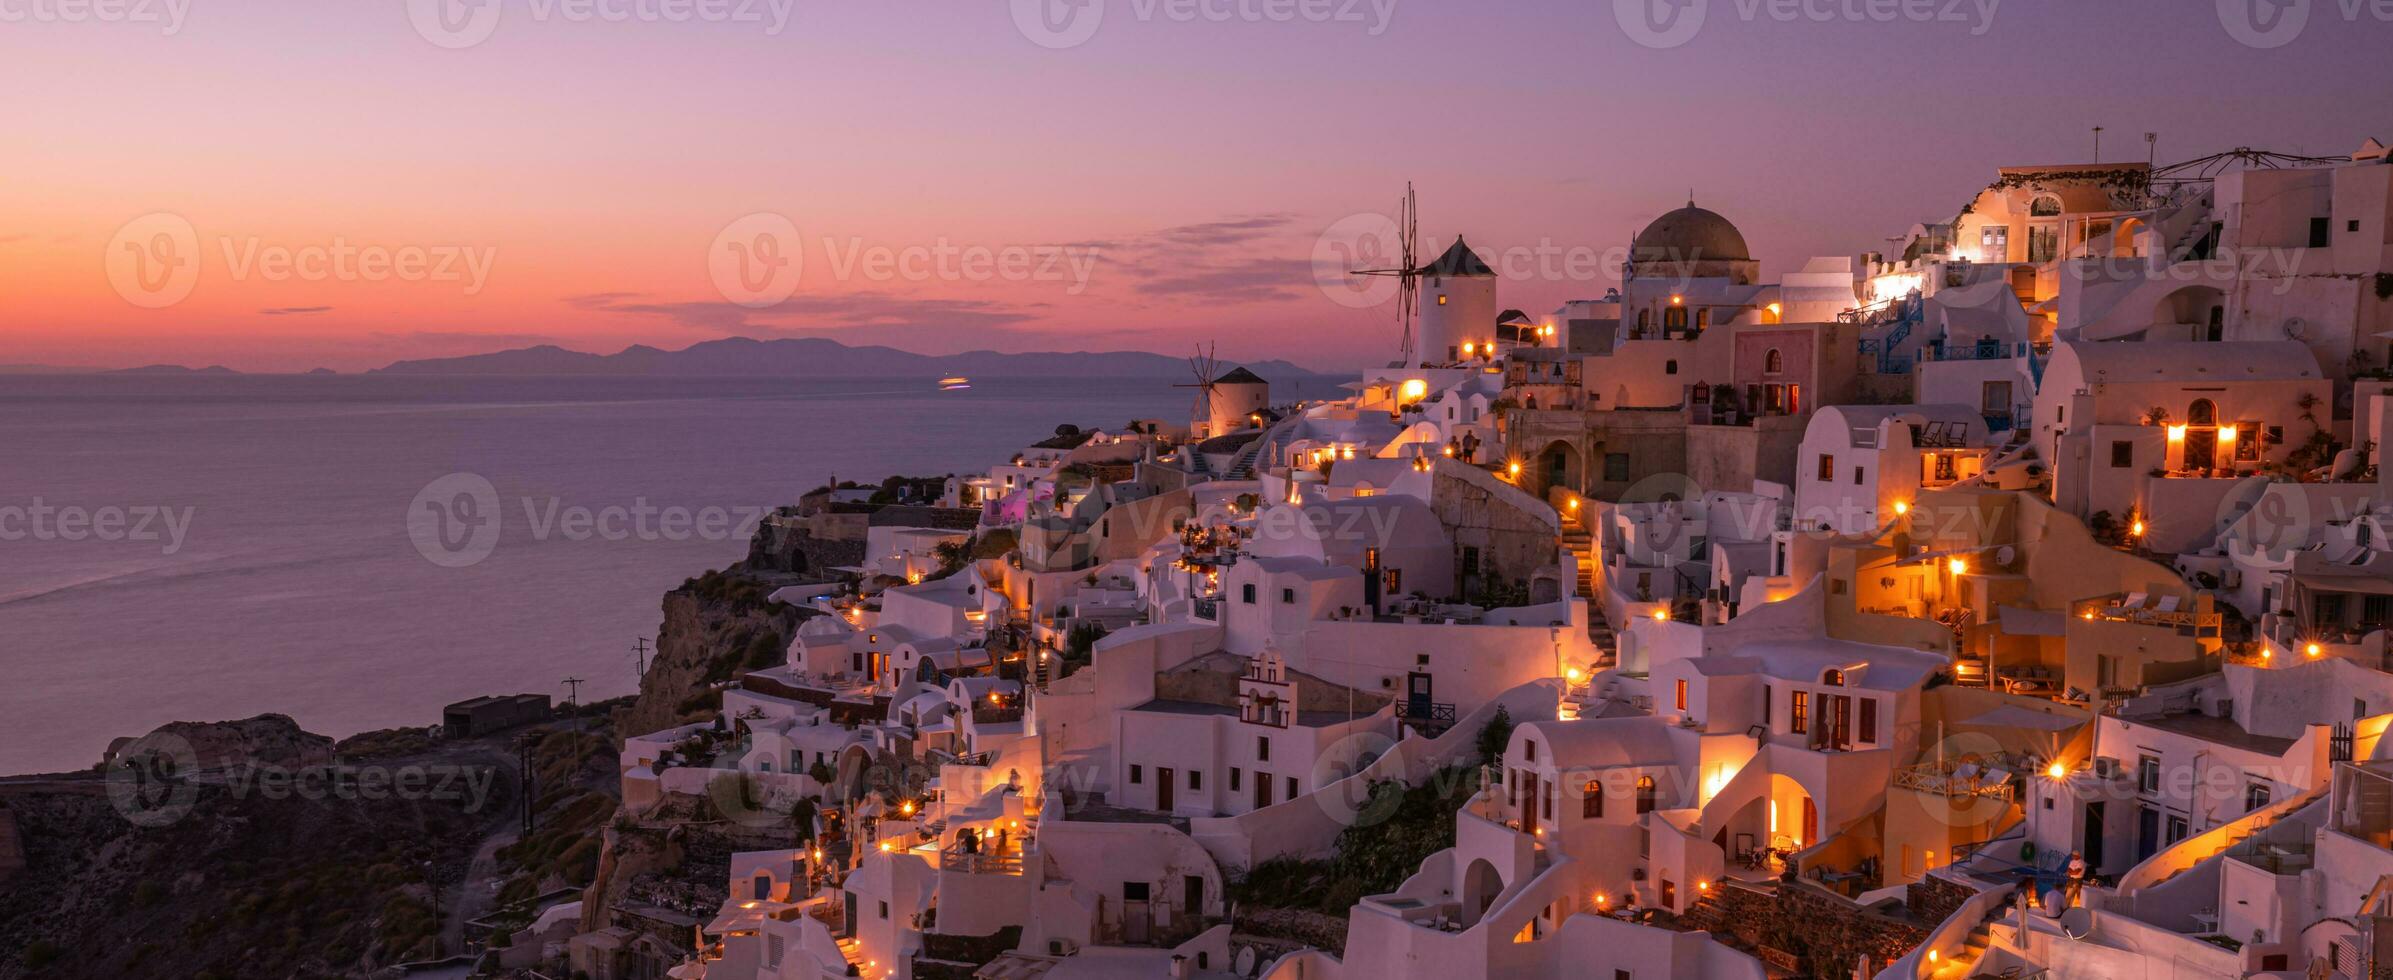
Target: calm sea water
x,y
265,561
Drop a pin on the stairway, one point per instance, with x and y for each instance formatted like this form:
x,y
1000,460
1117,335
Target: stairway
x,y
1581,542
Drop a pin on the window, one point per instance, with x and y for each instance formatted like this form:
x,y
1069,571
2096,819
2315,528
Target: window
x,y
1138,774
1857,476
2044,206
2321,233
1292,793
1196,779
1646,797
2147,774
2177,828
1682,695
1827,467
1391,581
1263,748
1547,801
2255,796
1798,715
1670,367
1769,710
1616,467
1833,677
1591,800
1994,398
1288,597
1773,362
1134,891
1235,772
2353,225
2122,454
1246,593
884,910
1869,720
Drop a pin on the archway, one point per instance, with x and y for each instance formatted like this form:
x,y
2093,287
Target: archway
x,y
2191,313
1560,464
1480,886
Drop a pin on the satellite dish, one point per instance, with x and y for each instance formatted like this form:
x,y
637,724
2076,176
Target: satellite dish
x,y
2077,923
2294,328
1244,963
2005,555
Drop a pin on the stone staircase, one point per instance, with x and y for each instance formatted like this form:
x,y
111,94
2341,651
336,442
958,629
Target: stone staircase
x,y
1581,542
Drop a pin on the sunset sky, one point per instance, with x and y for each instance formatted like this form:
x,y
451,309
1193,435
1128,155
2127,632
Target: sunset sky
x,y
1187,157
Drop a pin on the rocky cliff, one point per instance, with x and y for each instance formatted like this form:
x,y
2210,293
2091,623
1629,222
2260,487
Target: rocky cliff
x,y
715,626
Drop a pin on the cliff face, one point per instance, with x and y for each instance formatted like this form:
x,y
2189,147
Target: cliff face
x,y
715,626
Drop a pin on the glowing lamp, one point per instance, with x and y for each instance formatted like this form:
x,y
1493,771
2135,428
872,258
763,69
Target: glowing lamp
x,y
1958,565
2227,435
2136,529
1776,310
2056,771
1573,674
1449,450
1676,300
1602,901
1415,390
1901,508
1931,956
885,847
2088,614
1513,468
1704,887
2313,650
906,808
1661,615
1574,503
2266,655
2176,433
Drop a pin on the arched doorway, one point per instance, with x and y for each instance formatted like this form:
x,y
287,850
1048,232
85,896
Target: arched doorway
x,y
1560,464
1480,886
2201,435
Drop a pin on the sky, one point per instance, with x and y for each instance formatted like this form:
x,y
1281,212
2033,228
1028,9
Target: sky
x,y
279,185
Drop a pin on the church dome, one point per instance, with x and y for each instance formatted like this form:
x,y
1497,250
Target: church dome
x,y
1692,234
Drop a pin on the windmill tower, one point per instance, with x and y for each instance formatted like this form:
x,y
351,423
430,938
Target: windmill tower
x,y
1407,273
1200,415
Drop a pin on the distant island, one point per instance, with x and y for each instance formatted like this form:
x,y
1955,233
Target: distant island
x,y
814,358
176,369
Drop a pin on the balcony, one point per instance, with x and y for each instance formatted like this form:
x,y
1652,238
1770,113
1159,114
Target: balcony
x,y
1959,779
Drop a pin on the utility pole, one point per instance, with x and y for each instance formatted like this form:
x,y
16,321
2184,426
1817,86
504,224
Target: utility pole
x,y
639,657
574,685
2097,144
2151,149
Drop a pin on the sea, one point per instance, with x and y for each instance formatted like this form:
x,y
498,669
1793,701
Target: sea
x,y
357,551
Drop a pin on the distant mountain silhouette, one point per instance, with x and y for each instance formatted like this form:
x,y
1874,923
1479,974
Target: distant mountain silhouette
x,y
177,369
816,358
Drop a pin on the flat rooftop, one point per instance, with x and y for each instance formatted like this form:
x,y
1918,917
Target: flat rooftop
x,y
2217,731
1307,719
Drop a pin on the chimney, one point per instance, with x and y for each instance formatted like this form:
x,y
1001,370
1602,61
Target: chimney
x,y
1179,967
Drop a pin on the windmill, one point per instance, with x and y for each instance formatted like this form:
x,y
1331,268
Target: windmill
x,y
1407,271
1205,368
